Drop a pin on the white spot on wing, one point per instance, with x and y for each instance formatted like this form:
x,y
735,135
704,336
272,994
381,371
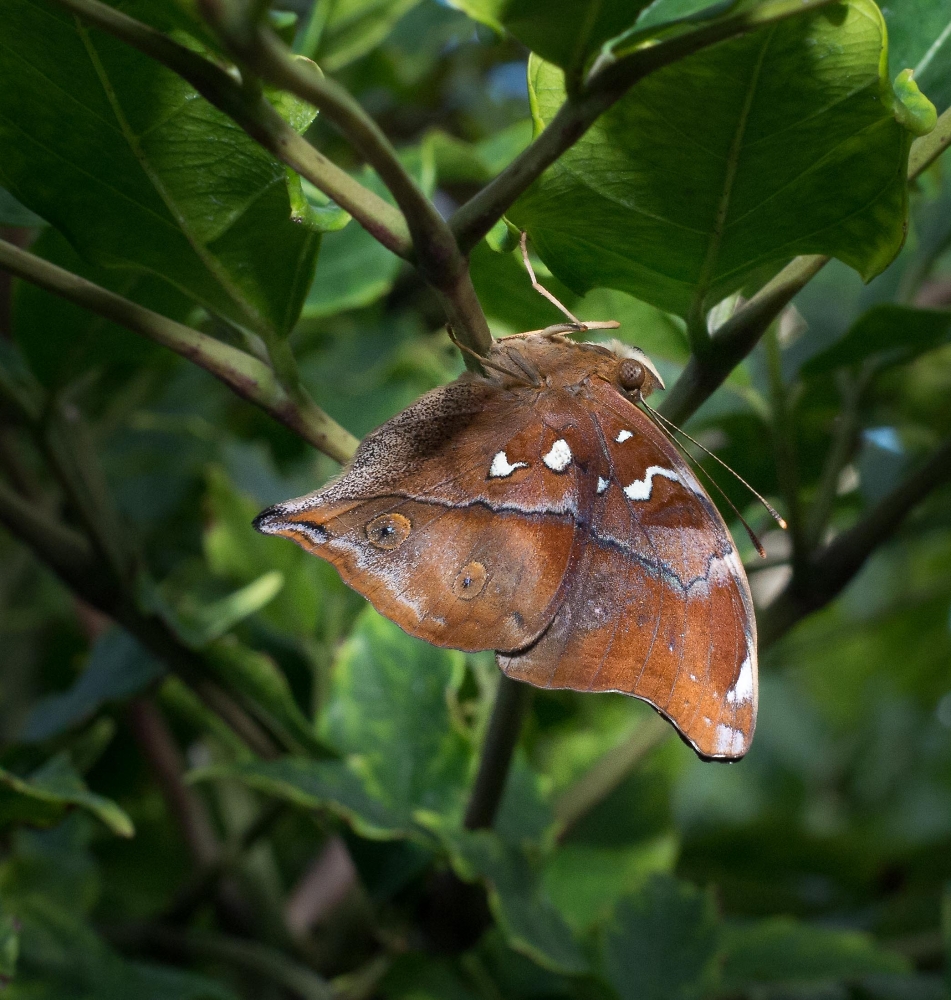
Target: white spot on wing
x,y
559,458
317,536
623,436
742,690
641,489
602,484
729,740
501,467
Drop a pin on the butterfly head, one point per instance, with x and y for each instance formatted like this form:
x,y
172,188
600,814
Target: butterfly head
x,y
636,374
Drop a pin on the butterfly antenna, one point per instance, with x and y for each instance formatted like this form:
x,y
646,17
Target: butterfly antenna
x,y
757,544
541,289
485,362
772,510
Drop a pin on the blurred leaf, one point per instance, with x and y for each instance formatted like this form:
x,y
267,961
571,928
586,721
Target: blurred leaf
x,y
458,162
9,946
565,32
525,914
587,882
200,623
919,34
118,667
782,950
138,171
784,141
12,213
355,269
662,943
258,678
317,784
889,335
354,27
44,795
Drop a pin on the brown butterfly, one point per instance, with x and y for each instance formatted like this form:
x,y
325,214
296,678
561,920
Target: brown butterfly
x,y
537,510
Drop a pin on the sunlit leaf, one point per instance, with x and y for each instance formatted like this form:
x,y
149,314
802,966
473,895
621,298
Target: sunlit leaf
x,y
762,130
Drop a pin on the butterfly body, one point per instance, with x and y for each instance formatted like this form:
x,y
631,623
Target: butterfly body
x,y
539,512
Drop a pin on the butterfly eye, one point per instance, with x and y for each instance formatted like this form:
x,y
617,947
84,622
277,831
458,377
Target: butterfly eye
x,y
389,531
630,375
469,581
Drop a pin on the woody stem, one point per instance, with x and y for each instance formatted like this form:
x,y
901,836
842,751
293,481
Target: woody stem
x,y
512,702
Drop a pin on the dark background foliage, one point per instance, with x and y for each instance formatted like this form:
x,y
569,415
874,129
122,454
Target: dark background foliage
x,y
253,786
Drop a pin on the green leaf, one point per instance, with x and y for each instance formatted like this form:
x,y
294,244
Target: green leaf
x,y
526,916
355,269
784,142
12,213
9,946
198,623
662,943
318,784
258,678
139,172
888,335
565,32
44,795
354,27
919,33
118,667
782,950
387,712
585,883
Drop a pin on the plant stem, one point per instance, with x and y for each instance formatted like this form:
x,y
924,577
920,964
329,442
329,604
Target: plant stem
x,y
512,701
827,573
257,117
604,88
434,250
243,374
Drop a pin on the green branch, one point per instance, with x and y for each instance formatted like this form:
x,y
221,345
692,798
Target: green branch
x,y
243,374
435,252
258,118
828,572
609,81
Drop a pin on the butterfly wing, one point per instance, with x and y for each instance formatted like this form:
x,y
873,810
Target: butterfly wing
x,y
448,520
658,605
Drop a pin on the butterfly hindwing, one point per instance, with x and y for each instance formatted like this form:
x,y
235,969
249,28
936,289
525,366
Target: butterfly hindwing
x,y
658,606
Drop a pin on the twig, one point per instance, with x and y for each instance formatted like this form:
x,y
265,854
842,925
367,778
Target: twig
x,y
243,374
828,572
183,802
257,118
603,89
512,702
434,249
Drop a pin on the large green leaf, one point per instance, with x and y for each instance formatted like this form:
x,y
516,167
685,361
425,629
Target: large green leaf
x,y
662,943
526,916
388,714
139,172
43,796
728,163
782,950
889,335
919,33
118,667
565,32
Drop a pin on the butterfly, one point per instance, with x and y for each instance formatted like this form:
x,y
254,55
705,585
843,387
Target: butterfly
x,y
538,510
